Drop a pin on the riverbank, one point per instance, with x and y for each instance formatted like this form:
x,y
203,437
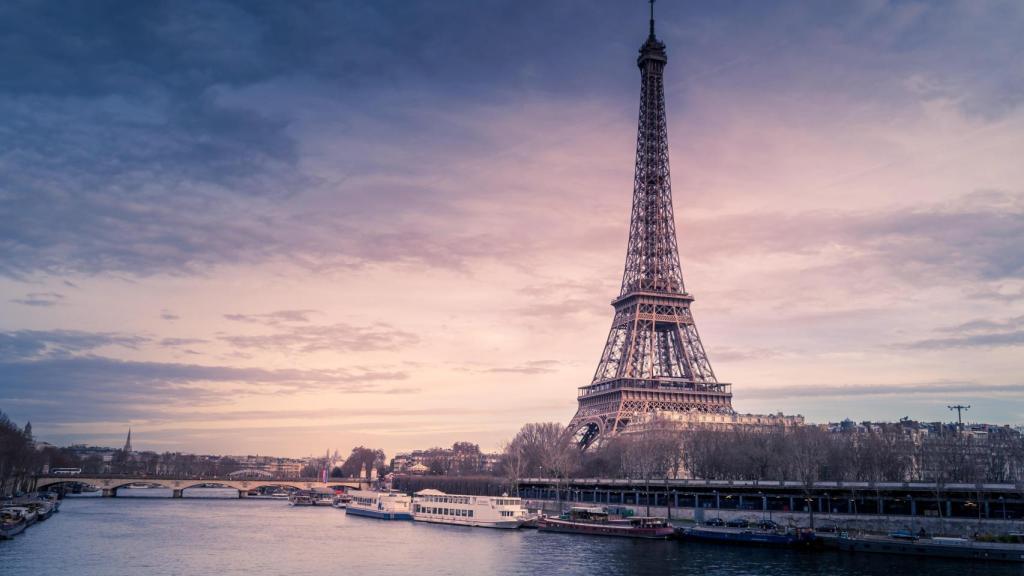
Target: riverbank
x,y
21,513
851,523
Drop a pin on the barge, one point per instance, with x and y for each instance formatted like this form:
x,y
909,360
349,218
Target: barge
x,y
935,547
597,522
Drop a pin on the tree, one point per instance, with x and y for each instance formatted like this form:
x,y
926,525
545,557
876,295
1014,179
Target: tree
x,y
547,450
362,460
17,456
513,462
651,452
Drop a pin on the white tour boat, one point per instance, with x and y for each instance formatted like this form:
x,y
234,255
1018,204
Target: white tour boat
x,y
485,511
382,505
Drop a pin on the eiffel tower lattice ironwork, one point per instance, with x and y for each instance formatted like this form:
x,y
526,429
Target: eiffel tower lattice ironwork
x,y
653,361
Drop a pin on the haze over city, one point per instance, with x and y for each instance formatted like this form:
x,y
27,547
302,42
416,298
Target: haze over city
x,y
244,228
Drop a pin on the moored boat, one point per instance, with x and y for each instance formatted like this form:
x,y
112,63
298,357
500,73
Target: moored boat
x,y
381,505
770,538
323,498
936,547
12,523
341,501
42,508
27,513
466,510
53,499
310,498
597,522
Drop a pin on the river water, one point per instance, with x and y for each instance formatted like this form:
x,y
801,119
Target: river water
x,y
204,536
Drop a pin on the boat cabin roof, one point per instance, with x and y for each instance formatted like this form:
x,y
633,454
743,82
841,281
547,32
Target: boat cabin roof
x,y
430,492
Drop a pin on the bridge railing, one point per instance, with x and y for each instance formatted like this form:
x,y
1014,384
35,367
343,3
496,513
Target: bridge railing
x,y
191,478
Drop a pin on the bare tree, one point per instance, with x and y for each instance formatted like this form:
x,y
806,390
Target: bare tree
x,y
651,453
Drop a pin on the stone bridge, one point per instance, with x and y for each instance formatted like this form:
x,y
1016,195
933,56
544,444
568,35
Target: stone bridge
x,y
110,484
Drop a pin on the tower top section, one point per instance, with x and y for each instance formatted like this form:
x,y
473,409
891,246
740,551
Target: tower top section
x,y
652,257
653,50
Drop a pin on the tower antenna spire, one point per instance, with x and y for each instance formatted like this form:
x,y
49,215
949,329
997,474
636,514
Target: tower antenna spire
x,y
652,17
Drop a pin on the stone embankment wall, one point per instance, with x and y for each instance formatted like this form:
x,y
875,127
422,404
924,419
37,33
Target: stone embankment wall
x,y
859,523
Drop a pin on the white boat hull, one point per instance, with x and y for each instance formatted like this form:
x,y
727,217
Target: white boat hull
x,y
500,524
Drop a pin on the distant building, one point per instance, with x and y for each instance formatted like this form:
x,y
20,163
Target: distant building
x,y
447,461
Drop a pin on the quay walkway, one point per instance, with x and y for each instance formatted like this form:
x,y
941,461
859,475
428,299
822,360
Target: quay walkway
x,y
914,499
109,484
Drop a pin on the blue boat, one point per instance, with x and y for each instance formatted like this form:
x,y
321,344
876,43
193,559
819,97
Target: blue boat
x,y
746,536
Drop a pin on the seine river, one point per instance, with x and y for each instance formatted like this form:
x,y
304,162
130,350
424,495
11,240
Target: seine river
x,y
204,536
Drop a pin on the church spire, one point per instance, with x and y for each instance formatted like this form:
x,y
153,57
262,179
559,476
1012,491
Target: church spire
x,y
128,442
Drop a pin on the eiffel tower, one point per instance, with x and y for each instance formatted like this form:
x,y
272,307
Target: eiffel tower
x,y
653,362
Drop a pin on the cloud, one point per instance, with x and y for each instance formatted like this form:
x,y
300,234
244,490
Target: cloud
x,y
93,388
975,237
175,342
335,136
1015,338
340,337
274,318
40,299
728,354
998,293
36,344
466,149
979,333
531,367
985,325
940,389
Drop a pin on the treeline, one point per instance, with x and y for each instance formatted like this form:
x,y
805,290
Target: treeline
x,y
360,463
886,454
18,458
805,454
545,450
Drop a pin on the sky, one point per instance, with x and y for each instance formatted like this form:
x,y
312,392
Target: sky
x,y
285,227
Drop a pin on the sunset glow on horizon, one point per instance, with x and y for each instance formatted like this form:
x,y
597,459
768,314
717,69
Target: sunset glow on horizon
x,y
281,229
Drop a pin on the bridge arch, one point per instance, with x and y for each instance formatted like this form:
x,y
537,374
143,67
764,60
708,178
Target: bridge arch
x,y
209,484
110,484
264,484
46,483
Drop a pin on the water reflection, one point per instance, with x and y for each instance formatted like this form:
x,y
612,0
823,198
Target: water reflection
x,y
149,533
